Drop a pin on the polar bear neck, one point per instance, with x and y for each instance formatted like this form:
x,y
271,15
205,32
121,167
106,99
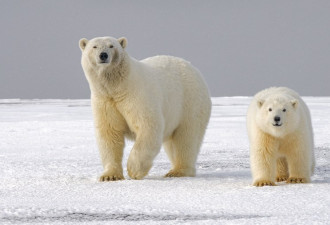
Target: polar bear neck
x,y
117,72
111,80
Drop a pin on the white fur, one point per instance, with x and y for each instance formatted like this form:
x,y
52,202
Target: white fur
x,y
285,152
158,100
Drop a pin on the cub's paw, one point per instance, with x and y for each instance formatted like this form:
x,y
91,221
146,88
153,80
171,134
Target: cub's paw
x,y
282,178
111,177
181,173
296,180
260,183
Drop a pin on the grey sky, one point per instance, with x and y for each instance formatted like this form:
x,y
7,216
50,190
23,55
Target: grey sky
x,y
240,47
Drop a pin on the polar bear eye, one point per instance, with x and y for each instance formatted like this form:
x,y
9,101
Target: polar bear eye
x,y
94,46
111,46
284,110
270,109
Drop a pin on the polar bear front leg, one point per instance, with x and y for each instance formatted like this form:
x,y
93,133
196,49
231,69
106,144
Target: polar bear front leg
x,y
299,164
111,145
145,149
282,170
110,128
263,166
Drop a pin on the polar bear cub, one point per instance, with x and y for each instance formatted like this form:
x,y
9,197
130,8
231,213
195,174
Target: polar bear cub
x,y
159,100
281,137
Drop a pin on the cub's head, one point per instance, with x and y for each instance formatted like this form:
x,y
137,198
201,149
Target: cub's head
x,y
278,116
102,52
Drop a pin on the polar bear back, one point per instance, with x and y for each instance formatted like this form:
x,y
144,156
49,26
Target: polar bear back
x,y
178,71
179,80
177,83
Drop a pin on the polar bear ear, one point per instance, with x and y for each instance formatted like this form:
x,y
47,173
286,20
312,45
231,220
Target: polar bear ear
x,y
294,103
260,102
82,43
123,42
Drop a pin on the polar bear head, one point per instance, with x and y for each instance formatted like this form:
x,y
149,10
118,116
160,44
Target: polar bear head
x,y
105,63
102,53
278,116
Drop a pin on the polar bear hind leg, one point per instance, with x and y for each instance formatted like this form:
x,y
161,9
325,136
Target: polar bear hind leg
x,y
183,148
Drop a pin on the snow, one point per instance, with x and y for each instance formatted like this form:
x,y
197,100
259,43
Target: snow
x,y
49,164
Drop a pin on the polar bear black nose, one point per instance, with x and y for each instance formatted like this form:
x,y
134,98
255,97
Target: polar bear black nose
x,y
103,56
277,119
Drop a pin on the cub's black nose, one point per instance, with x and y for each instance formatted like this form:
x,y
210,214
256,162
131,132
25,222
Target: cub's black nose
x,y
103,56
277,119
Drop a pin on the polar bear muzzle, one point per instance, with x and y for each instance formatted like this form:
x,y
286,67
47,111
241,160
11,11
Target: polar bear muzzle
x,y
104,57
277,121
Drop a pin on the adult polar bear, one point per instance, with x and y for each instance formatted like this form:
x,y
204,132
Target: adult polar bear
x,y
281,137
158,100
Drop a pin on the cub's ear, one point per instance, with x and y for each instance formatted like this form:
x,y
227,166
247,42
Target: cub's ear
x,y
123,42
295,103
82,43
260,102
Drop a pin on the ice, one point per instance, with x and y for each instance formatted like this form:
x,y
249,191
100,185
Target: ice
x,y
49,165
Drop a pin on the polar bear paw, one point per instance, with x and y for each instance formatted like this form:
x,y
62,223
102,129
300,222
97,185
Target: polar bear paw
x,y
137,170
173,173
282,178
296,180
181,173
106,176
136,174
260,183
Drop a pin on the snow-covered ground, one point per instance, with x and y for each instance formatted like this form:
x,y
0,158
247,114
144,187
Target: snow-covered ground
x,y
49,164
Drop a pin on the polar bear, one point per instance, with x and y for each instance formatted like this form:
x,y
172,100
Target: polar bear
x,y
281,137
159,100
